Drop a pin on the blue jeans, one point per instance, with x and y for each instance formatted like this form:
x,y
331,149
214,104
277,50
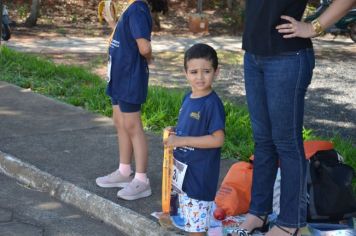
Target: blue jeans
x,y
275,91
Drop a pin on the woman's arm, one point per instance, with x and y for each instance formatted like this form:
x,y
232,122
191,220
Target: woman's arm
x,y
215,140
332,14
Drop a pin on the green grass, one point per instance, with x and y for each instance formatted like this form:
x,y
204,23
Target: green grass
x,y
70,84
77,86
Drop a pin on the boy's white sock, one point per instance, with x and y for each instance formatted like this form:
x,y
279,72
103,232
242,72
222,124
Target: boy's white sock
x,y
125,169
141,176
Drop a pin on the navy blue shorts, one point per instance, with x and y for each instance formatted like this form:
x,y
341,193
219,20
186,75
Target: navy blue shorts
x,y
125,106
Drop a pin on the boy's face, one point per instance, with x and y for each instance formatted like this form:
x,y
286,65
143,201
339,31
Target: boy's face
x,y
200,75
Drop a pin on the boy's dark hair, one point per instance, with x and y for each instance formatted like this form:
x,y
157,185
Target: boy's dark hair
x,y
199,51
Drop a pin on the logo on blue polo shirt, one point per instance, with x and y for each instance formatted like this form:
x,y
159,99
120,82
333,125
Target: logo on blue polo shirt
x,y
115,43
195,115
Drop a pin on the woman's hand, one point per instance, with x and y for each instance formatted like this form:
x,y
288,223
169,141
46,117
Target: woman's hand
x,y
295,28
332,14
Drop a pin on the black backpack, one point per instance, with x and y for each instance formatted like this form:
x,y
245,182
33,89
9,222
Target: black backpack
x,y
330,193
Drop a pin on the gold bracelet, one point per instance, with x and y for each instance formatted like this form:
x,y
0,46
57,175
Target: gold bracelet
x,y
317,27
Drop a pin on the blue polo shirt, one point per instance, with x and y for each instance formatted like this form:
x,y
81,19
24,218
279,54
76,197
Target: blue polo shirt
x,y
128,80
199,117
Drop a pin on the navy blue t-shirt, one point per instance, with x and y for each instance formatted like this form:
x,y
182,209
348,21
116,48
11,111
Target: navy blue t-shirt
x,y
199,117
128,80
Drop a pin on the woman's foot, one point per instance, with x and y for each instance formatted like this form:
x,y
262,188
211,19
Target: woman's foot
x,y
252,223
283,231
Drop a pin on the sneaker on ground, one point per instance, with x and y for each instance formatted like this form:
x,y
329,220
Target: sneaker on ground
x,y
115,179
135,190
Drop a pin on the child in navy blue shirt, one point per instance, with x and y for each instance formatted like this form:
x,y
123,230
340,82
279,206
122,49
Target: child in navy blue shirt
x,y
129,55
198,138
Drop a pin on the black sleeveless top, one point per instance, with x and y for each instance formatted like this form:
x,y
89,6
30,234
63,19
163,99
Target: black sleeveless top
x,y
260,36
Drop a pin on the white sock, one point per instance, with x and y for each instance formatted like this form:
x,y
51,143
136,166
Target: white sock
x,y
141,176
125,169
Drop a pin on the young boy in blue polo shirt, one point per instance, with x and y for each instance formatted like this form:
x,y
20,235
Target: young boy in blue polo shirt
x,y
129,55
198,138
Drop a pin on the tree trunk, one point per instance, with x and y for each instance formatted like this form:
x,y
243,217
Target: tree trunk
x,y
1,6
32,18
229,4
200,6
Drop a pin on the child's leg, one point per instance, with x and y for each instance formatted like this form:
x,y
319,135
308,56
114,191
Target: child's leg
x,y
139,187
134,129
122,176
124,140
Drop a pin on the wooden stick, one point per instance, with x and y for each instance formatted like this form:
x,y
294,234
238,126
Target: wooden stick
x,y
167,174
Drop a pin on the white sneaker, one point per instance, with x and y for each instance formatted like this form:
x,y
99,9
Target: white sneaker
x,y
115,179
135,190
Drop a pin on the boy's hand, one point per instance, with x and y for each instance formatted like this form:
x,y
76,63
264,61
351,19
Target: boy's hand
x,y
175,141
150,61
171,129
172,139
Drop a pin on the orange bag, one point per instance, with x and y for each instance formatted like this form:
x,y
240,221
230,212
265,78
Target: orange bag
x,y
313,146
234,195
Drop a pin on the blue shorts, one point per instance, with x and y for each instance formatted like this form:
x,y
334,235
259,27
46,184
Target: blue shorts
x,y
125,106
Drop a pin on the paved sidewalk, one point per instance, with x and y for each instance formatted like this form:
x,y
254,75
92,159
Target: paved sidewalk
x,y
61,149
74,44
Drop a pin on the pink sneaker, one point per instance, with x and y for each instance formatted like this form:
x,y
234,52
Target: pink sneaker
x,y
115,179
135,190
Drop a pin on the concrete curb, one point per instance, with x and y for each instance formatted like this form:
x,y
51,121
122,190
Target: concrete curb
x,y
120,217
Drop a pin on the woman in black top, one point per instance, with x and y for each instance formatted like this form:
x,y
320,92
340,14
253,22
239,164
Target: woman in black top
x,y
278,67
